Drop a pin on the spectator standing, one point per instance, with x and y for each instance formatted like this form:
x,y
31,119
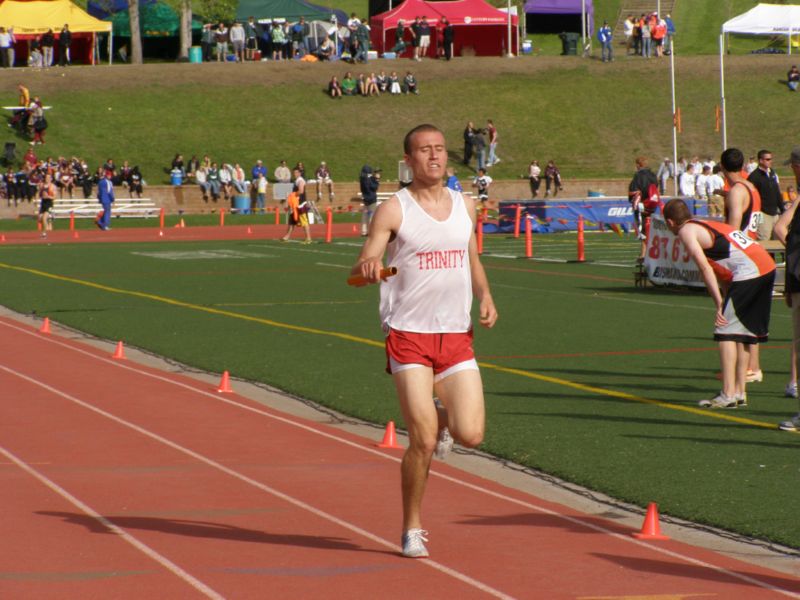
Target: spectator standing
x,y
448,38
24,102
64,44
534,177
479,148
659,33
38,123
278,40
400,44
701,184
252,33
362,40
238,38
261,192
766,181
424,37
646,37
221,38
47,42
469,138
299,34
641,192
369,181
793,78
207,42
604,36
105,195
492,131
258,170
716,186
5,47
416,33
670,33
47,195
666,171
752,165
628,27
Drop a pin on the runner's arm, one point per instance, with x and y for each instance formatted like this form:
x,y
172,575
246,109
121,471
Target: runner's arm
x,y
689,236
480,283
385,223
781,229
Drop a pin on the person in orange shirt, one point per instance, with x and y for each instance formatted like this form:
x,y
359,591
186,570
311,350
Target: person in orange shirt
x,y
741,320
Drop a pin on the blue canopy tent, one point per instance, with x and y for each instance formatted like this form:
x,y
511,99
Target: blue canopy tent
x,y
556,16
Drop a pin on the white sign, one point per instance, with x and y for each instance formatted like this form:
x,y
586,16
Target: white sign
x,y
667,260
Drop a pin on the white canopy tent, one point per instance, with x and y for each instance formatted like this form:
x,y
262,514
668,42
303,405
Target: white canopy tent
x,y
764,19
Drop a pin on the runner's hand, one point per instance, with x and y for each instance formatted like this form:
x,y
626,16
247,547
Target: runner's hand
x,y
719,319
488,313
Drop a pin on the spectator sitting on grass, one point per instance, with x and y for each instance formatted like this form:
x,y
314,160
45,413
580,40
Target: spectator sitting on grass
x,y
382,81
410,83
349,85
325,49
372,85
177,164
362,85
793,78
334,87
394,83
192,166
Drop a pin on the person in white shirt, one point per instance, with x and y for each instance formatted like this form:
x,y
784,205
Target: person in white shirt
x,y
701,183
752,165
238,37
426,231
716,190
687,182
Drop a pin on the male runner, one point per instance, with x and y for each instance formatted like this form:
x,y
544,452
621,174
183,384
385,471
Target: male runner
x,y
427,232
742,316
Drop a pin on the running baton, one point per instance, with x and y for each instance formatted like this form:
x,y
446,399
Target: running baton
x,y
360,280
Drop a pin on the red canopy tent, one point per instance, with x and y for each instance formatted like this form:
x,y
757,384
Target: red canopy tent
x,y
478,26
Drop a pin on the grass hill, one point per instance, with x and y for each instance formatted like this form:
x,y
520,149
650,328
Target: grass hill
x,y
592,118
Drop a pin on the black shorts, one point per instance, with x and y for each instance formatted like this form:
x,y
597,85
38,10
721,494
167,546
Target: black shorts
x,y
252,43
747,307
45,205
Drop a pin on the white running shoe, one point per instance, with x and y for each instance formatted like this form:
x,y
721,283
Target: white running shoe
x,y
741,399
414,543
754,376
792,424
721,400
444,444
790,391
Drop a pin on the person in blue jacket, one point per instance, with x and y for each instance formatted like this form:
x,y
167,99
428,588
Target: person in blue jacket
x,y
105,194
604,36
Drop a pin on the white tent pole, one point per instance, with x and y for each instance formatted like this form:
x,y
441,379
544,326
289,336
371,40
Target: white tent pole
x,y
674,114
510,53
790,40
583,24
722,91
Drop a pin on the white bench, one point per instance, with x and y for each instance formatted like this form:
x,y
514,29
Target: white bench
x,y
89,207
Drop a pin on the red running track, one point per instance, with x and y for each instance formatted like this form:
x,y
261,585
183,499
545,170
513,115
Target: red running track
x,y
123,481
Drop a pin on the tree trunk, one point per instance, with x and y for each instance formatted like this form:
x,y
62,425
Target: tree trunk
x,y
186,29
136,33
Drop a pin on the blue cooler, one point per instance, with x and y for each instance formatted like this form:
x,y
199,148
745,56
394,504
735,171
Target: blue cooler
x,y
176,177
595,194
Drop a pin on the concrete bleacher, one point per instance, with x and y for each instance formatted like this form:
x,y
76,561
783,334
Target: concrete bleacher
x,y
89,207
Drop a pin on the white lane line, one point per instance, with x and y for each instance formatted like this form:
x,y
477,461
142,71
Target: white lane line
x,y
141,546
244,478
321,264
346,442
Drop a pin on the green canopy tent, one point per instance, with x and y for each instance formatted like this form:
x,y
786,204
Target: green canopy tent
x,y
156,20
291,10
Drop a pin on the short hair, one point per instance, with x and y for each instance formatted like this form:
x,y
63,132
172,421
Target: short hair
x,y
641,161
763,153
732,160
677,211
418,129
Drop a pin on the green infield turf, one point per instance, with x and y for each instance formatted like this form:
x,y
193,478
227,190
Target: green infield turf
x,y
586,377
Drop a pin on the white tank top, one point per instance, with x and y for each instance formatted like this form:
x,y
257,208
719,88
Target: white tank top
x,y
432,291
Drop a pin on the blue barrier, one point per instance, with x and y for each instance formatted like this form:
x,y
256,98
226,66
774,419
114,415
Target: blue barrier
x,y
550,216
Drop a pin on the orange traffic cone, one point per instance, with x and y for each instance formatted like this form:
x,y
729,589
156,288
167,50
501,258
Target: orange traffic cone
x,y
225,384
182,224
119,353
249,231
75,235
45,328
2,238
355,229
651,530
389,437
